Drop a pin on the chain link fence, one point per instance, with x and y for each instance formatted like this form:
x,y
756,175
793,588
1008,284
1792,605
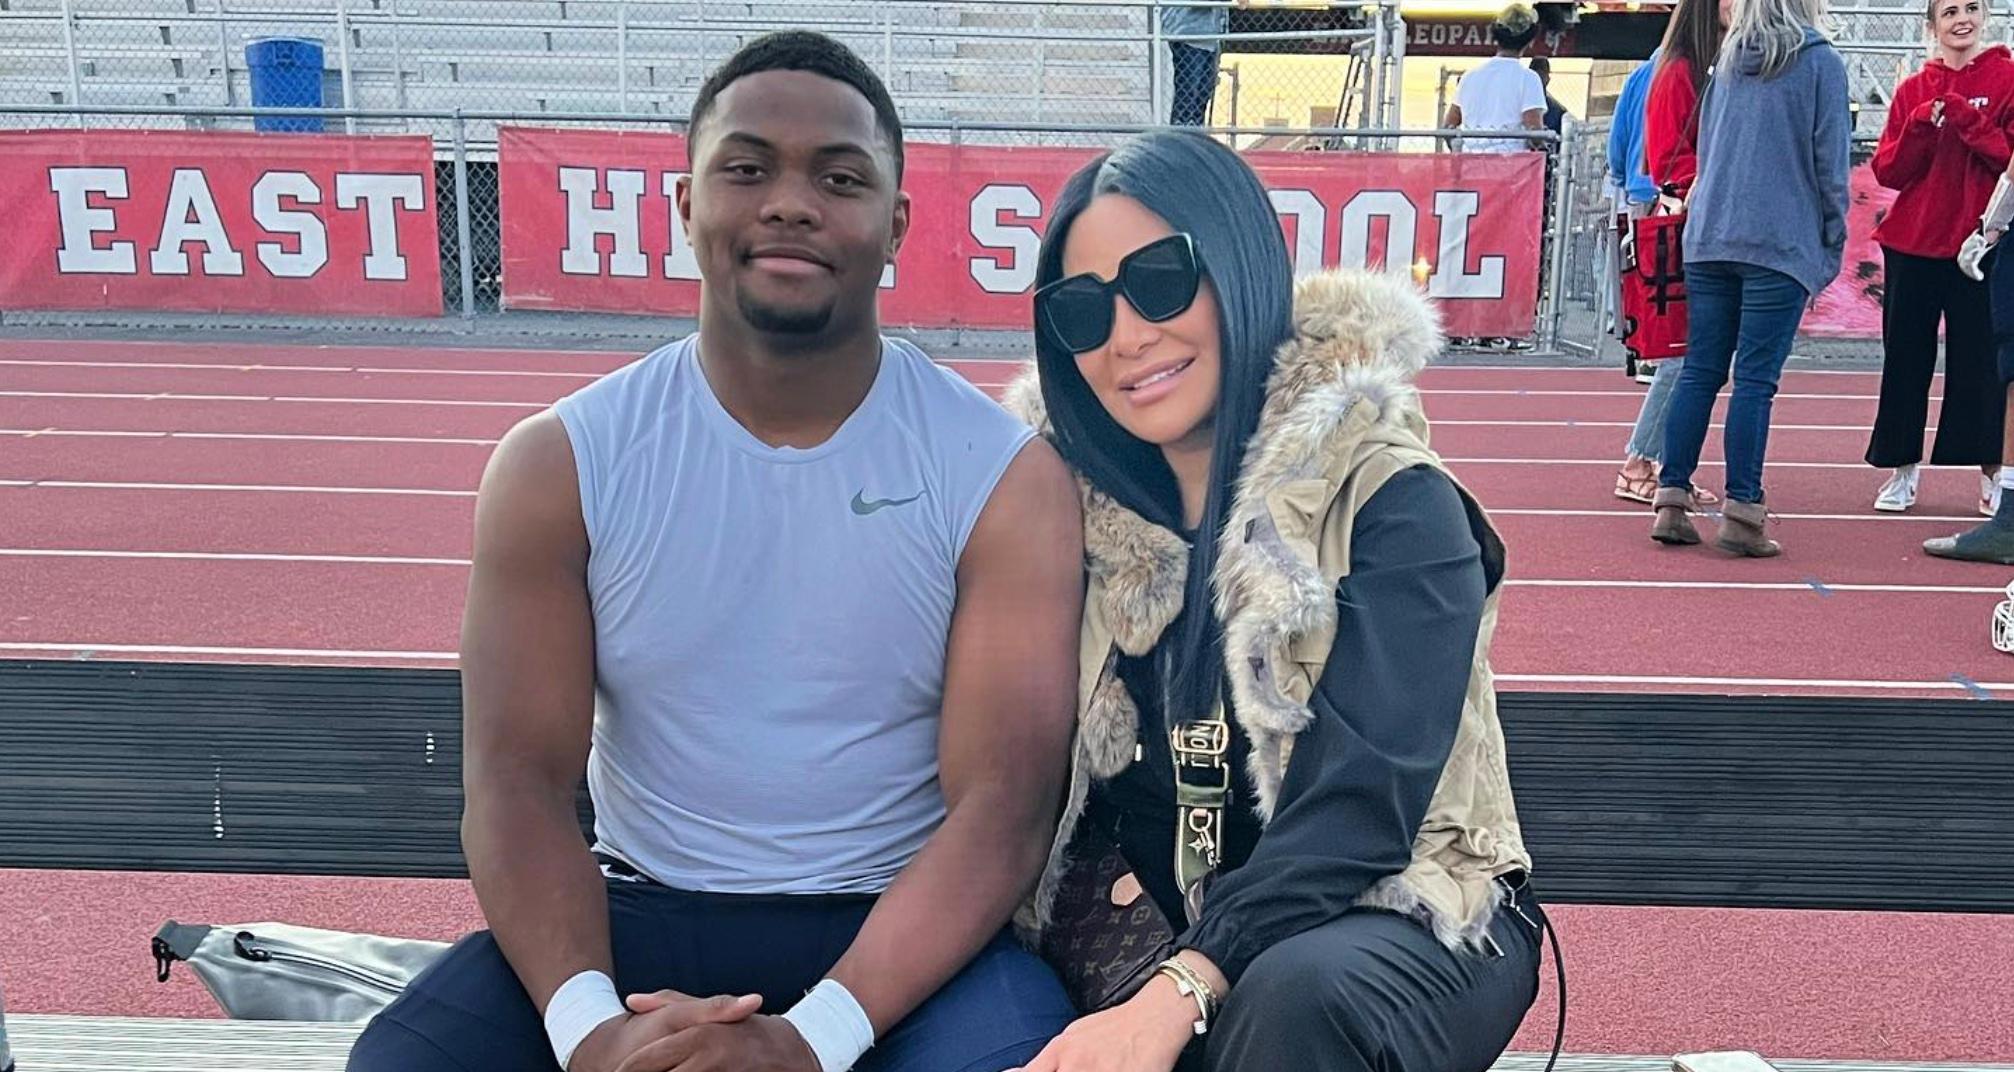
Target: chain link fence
x,y
1582,241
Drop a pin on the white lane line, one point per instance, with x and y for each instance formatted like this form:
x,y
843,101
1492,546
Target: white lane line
x,y
168,396
1835,684
12,345
180,397
312,489
1638,395
227,556
1751,682
1519,582
218,366
1774,426
283,437
305,489
1643,514
1612,463
1761,586
191,649
1616,370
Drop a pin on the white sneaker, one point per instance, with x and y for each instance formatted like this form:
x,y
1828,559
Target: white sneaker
x,y
1899,493
1989,495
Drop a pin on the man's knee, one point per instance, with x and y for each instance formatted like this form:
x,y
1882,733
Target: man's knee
x,y
387,1045
465,1011
996,1014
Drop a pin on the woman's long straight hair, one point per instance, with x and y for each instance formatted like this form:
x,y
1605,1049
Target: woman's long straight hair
x,y
1205,190
1693,37
1774,28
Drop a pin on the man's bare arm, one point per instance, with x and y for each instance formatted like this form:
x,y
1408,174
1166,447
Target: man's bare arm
x,y
1010,701
528,712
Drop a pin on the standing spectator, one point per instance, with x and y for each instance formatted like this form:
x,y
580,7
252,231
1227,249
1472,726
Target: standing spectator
x,y
1669,155
1555,112
1194,62
1502,93
1993,540
1629,186
1945,144
1765,231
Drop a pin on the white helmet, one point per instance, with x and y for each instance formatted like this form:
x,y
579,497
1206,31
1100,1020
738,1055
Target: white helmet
x,y
2003,623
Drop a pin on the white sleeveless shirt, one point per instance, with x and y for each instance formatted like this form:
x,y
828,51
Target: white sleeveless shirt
x,y
771,623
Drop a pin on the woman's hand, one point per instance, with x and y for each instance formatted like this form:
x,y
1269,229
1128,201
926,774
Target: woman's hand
x,y
1145,1034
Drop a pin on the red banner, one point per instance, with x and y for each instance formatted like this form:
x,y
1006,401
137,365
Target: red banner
x,y
1850,308
588,224
219,222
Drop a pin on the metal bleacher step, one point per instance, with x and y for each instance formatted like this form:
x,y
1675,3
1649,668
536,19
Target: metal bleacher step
x,y
132,1044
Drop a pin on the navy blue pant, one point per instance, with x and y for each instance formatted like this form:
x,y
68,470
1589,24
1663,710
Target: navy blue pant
x,y
2000,298
468,1011
1739,316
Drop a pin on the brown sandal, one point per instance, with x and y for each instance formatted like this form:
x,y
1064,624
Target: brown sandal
x,y
1641,489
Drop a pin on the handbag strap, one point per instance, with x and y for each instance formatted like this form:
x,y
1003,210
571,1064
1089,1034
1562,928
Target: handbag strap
x,y
1691,134
1201,749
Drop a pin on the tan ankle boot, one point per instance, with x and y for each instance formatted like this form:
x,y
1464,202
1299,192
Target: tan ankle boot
x,y
1741,531
1672,525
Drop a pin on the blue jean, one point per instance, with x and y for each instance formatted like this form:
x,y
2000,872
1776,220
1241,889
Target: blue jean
x,y
468,1011
1194,83
1742,316
1646,440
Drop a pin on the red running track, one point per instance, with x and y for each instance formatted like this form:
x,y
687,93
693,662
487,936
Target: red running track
x,y
313,504
1865,986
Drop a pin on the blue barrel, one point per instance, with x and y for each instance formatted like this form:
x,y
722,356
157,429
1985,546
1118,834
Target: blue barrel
x,y
286,73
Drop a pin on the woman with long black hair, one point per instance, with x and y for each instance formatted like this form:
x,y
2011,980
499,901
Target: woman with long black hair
x,y
1288,738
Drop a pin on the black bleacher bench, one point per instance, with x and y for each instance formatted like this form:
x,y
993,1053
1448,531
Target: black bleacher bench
x,y
1626,799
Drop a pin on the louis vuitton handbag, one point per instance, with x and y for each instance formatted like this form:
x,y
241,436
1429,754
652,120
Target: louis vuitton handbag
x,y
1104,950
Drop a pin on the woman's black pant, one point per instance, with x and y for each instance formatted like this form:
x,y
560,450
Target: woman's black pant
x,y
1377,991
1920,292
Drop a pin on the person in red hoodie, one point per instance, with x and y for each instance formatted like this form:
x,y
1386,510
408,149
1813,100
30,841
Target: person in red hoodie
x,y
1671,159
1945,144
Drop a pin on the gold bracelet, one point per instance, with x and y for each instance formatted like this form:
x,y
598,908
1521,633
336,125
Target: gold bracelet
x,y
1191,985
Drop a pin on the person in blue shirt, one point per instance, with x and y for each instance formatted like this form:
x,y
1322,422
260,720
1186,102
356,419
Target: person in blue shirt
x,y
1625,137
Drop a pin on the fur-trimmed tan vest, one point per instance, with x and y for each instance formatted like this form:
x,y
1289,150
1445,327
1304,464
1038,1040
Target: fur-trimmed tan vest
x,y
1341,417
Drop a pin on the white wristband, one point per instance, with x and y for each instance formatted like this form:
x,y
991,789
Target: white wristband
x,y
833,1024
581,1004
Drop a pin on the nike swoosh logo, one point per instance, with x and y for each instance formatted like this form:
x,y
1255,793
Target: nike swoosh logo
x,y
864,507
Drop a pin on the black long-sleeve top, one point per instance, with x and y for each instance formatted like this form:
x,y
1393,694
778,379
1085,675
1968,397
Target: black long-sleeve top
x,y
1362,776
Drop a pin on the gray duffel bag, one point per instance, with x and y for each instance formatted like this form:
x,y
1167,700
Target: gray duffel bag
x,y
278,971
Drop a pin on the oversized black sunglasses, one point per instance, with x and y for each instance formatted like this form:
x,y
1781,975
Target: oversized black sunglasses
x,y
1159,280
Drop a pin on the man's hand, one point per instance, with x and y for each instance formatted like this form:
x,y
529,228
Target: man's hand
x,y
755,1044
655,1018
1146,1034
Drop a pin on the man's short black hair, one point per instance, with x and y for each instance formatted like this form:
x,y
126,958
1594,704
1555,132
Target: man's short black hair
x,y
804,50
